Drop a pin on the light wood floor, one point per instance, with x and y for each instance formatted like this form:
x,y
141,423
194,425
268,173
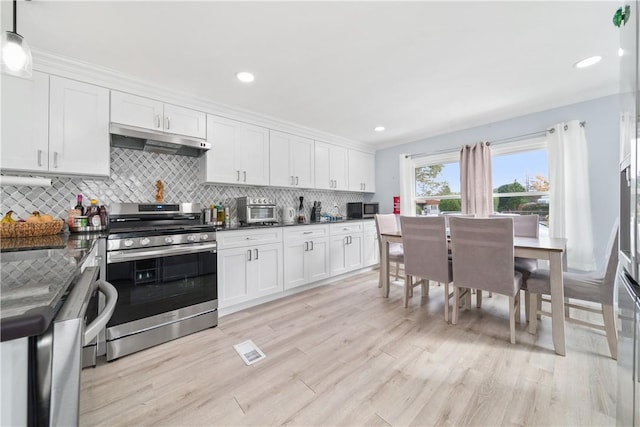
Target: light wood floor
x,y
342,355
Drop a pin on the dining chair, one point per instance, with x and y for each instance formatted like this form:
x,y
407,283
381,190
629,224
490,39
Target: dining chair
x,y
482,250
448,215
592,287
426,255
524,226
387,223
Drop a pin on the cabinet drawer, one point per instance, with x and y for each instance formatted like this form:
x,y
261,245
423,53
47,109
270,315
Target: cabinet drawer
x,y
252,237
345,228
306,232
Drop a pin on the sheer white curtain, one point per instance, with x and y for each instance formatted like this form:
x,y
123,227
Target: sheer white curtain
x,y
569,195
475,179
407,170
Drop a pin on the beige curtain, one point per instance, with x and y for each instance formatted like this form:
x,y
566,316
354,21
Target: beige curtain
x,y
475,179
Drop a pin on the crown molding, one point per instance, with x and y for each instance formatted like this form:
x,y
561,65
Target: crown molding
x,y
113,79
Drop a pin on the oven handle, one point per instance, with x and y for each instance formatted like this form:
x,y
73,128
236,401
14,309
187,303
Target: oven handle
x,y
132,255
111,296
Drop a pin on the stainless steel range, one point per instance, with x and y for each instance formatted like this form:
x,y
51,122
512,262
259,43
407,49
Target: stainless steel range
x,y
163,262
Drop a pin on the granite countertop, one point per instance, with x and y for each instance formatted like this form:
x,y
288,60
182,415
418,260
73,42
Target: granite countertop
x,y
249,227
35,273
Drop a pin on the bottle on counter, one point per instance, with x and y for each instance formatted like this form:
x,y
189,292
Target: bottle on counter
x,y
93,214
220,215
79,208
301,217
227,218
104,216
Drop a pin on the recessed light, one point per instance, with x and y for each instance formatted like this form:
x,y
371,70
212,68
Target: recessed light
x,y
588,61
379,129
620,51
245,77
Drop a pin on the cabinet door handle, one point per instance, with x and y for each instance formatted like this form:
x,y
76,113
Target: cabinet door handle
x,y
291,180
55,159
306,246
256,249
245,176
297,181
168,123
350,240
39,157
158,121
311,245
249,252
346,240
238,176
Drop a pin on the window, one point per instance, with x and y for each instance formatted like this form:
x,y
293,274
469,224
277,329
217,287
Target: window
x,y
520,179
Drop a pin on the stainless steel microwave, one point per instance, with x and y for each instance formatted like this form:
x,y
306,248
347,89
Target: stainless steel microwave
x,y
358,210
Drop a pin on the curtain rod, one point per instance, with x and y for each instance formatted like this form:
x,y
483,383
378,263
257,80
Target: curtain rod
x,y
496,141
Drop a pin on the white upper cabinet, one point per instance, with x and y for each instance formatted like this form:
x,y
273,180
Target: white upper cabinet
x,y
330,167
78,128
184,121
151,114
239,153
25,123
361,171
291,160
54,125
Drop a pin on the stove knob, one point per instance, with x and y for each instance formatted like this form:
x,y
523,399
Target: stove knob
x,y
128,242
192,238
145,241
204,236
168,239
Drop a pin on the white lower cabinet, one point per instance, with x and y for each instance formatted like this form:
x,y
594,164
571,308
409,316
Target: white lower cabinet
x,y
346,247
306,255
370,244
249,271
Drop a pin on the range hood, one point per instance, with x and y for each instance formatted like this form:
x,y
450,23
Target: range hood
x,y
136,138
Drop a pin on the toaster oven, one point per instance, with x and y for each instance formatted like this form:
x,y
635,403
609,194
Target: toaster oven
x,y
256,210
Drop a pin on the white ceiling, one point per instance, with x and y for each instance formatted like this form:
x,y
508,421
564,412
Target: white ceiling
x,y
417,68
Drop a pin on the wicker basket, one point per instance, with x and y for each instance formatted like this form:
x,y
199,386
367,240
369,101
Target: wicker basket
x,y
30,229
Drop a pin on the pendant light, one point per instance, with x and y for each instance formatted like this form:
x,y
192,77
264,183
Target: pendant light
x,y
16,54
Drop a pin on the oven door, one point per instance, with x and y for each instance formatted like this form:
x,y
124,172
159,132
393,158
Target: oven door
x,y
154,281
261,213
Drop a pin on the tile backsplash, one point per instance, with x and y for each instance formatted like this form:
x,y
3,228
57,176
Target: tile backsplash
x,y
133,177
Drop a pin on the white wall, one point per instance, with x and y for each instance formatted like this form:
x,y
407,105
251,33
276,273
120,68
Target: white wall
x,y
602,131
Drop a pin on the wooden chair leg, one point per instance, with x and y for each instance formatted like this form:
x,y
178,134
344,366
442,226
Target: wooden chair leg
x,y
527,310
539,308
518,312
478,298
456,305
512,319
567,314
446,302
533,313
610,328
397,270
467,300
407,288
425,287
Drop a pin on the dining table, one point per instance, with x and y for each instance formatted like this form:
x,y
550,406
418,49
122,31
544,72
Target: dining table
x,y
551,249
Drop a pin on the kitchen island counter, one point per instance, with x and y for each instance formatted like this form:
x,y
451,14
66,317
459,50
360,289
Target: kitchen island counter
x,y
35,275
